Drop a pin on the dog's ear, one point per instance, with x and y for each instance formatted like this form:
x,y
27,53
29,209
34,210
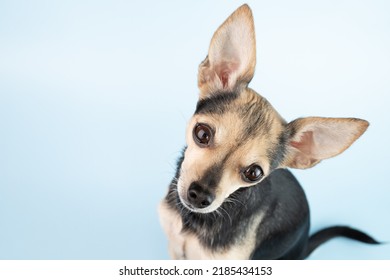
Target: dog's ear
x,y
231,59
314,139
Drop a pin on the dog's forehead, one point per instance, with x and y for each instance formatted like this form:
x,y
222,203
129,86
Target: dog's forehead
x,y
246,114
245,122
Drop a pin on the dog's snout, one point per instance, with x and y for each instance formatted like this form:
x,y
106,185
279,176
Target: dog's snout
x,y
199,197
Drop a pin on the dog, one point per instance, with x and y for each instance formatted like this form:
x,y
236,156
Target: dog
x,y
232,196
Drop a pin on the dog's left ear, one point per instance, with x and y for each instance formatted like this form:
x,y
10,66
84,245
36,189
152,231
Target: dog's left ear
x,y
231,59
314,139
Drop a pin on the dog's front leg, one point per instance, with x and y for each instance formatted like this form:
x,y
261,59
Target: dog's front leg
x,y
172,226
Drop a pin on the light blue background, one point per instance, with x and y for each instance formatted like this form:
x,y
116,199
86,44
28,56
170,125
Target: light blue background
x,y
95,96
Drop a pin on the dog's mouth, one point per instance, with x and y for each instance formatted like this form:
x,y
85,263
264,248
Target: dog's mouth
x,y
192,208
188,205
204,210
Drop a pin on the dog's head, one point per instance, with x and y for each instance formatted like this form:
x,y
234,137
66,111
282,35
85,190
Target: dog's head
x,y
236,138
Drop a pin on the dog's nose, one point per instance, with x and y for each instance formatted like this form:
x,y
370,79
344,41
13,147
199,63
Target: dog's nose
x,y
199,197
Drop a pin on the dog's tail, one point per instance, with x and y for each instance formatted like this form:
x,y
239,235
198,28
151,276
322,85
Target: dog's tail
x,y
328,233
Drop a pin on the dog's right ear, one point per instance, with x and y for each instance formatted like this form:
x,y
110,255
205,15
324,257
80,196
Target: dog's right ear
x,y
231,59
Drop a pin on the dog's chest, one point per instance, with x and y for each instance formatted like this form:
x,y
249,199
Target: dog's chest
x,y
186,245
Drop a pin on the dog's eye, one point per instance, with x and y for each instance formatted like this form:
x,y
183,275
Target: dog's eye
x,y
252,173
202,134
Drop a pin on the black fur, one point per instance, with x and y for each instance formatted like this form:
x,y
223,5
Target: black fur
x,y
216,103
284,230
212,176
324,235
277,153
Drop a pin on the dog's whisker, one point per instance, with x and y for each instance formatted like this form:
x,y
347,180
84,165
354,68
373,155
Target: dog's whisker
x,y
236,201
228,215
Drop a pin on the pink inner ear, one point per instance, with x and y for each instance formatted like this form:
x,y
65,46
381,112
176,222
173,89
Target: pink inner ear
x,y
224,76
305,143
225,71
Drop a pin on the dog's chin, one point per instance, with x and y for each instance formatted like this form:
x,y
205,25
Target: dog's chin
x,y
211,208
